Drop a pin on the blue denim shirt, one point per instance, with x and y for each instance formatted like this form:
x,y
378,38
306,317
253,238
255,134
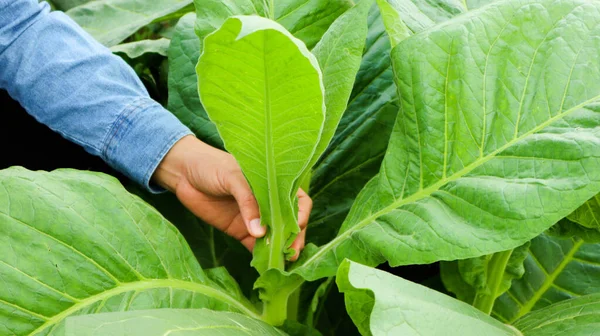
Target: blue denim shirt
x,y
78,88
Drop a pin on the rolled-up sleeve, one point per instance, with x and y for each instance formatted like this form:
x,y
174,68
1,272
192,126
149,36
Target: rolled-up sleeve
x,y
78,88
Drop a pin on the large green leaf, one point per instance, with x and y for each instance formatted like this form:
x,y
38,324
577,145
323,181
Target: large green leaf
x,y
306,19
579,316
112,21
496,140
480,281
382,304
211,247
74,243
556,269
262,88
161,322
356,151
309,19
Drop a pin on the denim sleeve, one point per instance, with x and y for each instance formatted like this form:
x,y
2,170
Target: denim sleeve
x,y
78,88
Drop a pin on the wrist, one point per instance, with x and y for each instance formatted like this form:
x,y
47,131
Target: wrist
x,y
172,168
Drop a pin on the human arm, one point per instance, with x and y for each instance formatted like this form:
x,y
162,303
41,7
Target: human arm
x,y
75,86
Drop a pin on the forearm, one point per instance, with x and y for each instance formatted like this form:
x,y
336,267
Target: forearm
x,y
74,85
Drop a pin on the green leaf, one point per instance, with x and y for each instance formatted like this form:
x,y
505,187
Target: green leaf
x,y
480,281
587,215
138,48
74,243
579,316
258,102
307,20
339,54
183,84
382,304
112,21
556,269
310,19
160,322
567,229
481,113
211,247
419,15
395,27
355,153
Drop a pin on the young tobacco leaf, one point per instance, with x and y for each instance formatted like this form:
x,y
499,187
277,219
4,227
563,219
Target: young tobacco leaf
x,y
480,281
76,243
580,316
307,20
262,88
556,269
491,147
162,322
382,304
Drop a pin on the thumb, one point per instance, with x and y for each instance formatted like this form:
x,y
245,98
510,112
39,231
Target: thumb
x,y
240,190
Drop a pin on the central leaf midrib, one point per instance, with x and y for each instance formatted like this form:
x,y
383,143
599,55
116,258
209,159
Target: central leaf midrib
x,y
147,285
436,186
275,250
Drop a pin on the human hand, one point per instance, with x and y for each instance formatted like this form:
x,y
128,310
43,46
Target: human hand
x,y
210,183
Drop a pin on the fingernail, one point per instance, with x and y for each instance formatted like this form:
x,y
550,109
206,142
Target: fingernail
x,y
256,229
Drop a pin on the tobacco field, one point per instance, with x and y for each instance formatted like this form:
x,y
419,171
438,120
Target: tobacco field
x,y
451,149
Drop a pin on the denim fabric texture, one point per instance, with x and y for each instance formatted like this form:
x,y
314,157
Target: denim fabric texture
x,y
78,88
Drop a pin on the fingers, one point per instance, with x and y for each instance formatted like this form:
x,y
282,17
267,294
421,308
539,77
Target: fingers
x,y
240,190
304,208
298,244
305,205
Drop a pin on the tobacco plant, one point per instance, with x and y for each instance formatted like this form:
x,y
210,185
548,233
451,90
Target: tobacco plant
x,y
474,144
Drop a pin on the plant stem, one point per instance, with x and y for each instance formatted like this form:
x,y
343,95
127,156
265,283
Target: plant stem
x,y
272,10
497,266
292,305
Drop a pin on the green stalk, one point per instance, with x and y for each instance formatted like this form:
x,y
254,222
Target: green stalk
x,y
484,301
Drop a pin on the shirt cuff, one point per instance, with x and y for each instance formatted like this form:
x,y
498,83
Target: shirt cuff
x,y
139,140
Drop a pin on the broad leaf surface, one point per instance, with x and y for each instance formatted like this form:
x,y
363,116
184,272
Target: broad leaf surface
x,y
112,21
555,270
382,304
138,48
262,88
580,316
496,140
480,281
306,19
184,50
211,247
163,322
74,243
357,148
